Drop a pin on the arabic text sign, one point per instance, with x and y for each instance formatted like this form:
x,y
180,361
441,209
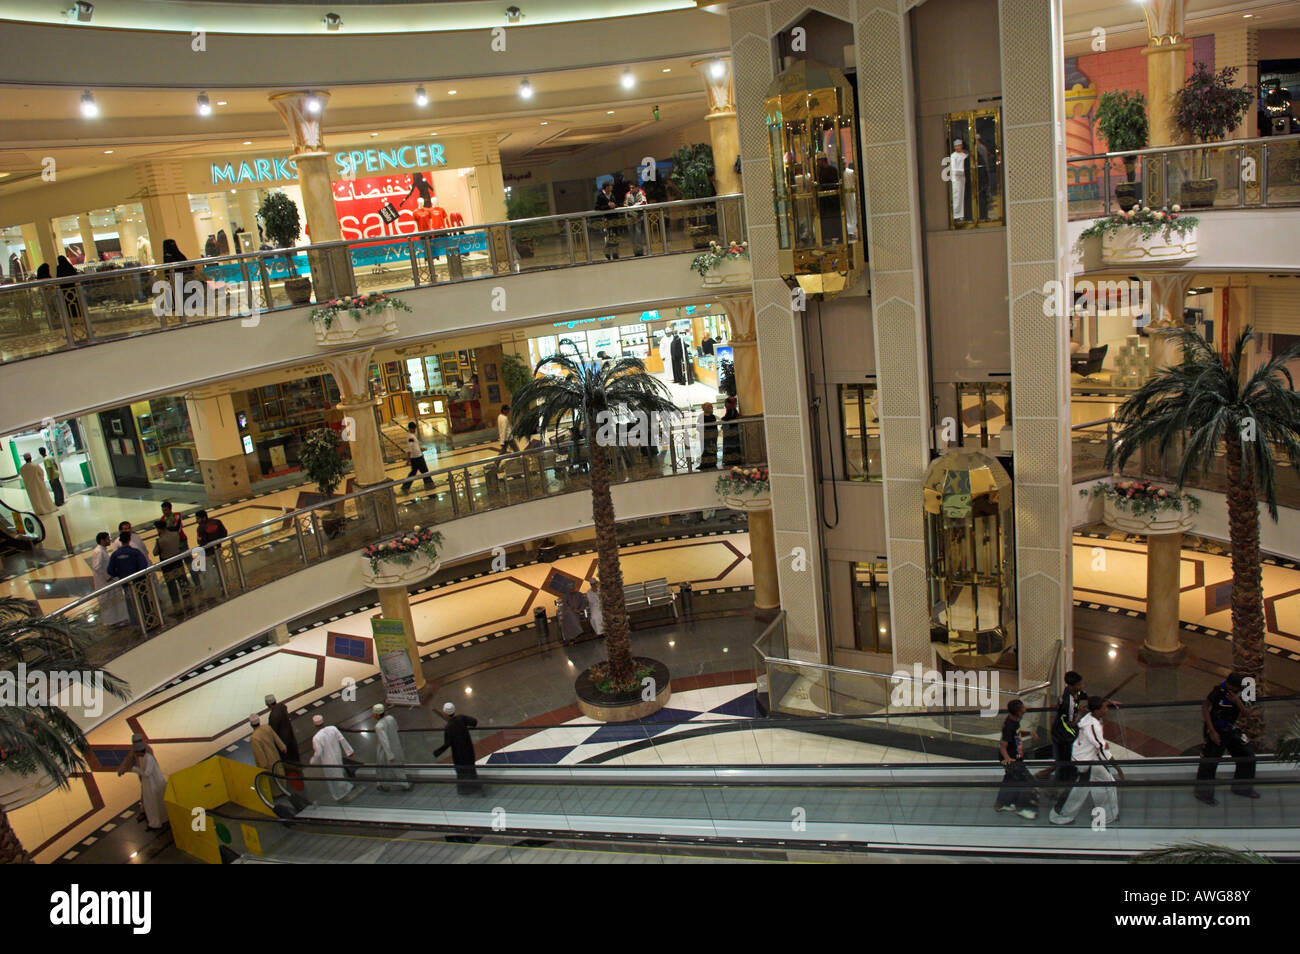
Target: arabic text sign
x,y
394,662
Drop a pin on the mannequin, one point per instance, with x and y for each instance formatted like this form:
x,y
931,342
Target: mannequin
x,y
143,251
438,213
851,200
679,359
423,216
957,169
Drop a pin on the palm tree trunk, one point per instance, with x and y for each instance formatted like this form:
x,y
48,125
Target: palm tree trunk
x,y
618,647
11,849
1247,580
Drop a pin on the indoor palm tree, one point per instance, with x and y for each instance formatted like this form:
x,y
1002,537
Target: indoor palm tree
x,y
1197,853
1198,406
42,738
592,394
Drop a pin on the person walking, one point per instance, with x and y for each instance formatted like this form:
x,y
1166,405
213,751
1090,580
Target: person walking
x,y
1094,764
415,457
1219,713
1069,710
455,736
388,750
279,721
112,605
328,751
53,475
33,476
267,747
153,784
503,429
1017,791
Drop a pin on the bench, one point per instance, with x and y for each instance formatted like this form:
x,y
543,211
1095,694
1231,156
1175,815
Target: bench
x,y
649,595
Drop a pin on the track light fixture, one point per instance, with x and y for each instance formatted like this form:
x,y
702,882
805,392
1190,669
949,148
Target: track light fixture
x,y
82,11
526,89
514,14
205,107
421,97
89,108
628,79
333,21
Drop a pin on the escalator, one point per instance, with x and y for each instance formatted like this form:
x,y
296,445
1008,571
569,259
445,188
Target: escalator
x,y
767,813
20,530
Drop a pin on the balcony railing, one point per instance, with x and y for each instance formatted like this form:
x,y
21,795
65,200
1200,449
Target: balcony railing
x,y
38,318
135,609
1093,440
1251,173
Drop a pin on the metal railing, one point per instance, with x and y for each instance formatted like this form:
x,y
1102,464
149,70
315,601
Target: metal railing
x,y
58,314
1250,173
139,607
1092,441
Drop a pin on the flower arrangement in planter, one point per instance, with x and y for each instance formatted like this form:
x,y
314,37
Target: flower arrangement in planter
x,y
1142,498
718,255
744,481
374,303
1143,234
403,550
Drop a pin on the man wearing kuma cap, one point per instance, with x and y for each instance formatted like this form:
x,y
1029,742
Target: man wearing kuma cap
x,y
455,736
388,750
328,750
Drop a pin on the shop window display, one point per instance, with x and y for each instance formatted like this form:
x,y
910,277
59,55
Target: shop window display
x,y
278,416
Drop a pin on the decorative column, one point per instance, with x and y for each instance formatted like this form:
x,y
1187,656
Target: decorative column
x,y
217,444
87,238
1166,53
352,375
1168,298
331,271
1164,557
166,202
1239,47
724,133
391,581
749,393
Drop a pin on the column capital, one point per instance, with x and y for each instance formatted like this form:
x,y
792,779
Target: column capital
x,y
352,374
716,71
1165,22
740,312
302,121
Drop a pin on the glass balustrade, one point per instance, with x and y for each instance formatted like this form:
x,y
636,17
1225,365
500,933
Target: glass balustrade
x,y
134,610
38,318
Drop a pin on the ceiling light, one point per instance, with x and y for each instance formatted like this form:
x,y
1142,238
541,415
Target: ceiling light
x,y
667,69
313,104
82,10
716,69
108,152
526,89
89,108
248,142
451,92
205,107
609,112
221,102
546,122
333,21
514,14
421,97
628,79
373,135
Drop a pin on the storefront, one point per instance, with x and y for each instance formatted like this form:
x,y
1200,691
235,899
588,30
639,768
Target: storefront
x,y
274,418
458,392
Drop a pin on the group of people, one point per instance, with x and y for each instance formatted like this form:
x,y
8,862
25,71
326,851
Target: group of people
x,y
1083,764
615,197
117,559
44,499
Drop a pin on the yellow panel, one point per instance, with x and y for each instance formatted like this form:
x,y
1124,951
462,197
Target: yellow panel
x,y
239,778
199,785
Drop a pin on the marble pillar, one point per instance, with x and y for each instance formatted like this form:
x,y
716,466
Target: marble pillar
x,y
724,133
87,237
165,199
218,446
1166,56
352,375
1164,556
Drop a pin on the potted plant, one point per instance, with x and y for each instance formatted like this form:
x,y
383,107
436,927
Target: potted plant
x,y
322,463
723,266
1122,119
408,559
526,204
1144,235
745,488
282,226
1207,108
692,175
1139,506
548,551
372,316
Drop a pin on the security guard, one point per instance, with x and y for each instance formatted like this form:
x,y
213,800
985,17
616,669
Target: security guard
x,y
1219,712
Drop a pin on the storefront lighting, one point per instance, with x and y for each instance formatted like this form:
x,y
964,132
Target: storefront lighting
x,y
716,69
89,108
205,107
421,97
628,79
525,89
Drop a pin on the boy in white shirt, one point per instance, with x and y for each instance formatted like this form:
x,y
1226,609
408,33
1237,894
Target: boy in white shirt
x,y
1092,756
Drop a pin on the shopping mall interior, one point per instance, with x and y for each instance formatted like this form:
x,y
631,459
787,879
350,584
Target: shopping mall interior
x,y
774,363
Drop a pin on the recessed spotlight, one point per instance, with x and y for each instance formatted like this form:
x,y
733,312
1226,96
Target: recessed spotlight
x,y
628,80
525,89
609,112
451,92
546,122
667,69
1247,16
373,135
716,69
421,97
313,104
108,152
248,142
89,108
205,107
333,21
221,102
469,690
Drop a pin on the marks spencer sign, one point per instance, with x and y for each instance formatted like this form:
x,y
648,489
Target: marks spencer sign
x,y
348,163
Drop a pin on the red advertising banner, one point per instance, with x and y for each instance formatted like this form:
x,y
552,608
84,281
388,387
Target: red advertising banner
x,y
358,201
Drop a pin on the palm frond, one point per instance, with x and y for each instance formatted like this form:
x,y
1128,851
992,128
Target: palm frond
x,y
1195,853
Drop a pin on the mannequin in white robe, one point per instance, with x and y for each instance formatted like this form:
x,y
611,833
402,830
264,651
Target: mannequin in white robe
x,y
388,751
112,607
38,491
328,749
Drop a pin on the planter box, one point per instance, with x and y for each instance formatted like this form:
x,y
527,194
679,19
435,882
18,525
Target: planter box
x,y
391,573
1127,247
19,790
344,330
749,501
729,273
1169,521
